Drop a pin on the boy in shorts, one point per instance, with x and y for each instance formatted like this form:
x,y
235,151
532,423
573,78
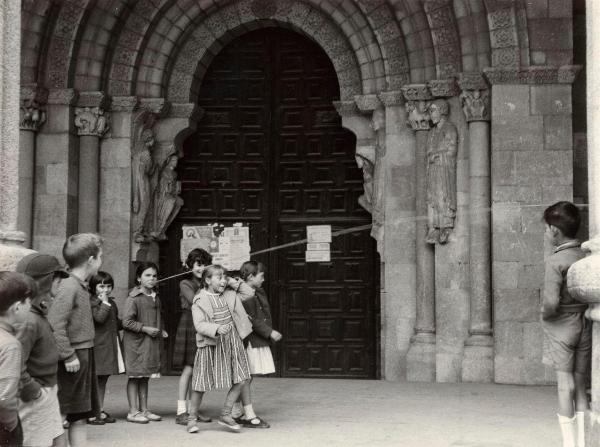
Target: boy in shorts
x,y
71,319
15,294
38,405
567,334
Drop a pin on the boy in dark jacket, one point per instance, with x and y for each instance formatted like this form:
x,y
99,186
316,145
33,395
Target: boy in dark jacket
x,y
38,406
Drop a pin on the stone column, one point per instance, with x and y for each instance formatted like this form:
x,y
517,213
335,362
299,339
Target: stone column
x,y
91,122
11,238
33,115
421,355
399,237
478,360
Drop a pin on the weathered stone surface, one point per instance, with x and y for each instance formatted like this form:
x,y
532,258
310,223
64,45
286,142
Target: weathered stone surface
x,y
518,135
558,132
530,195
505,274
545,168
521,305
527,248
551,100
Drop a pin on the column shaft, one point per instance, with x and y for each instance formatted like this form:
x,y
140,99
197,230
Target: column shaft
x,y
26,180
425,324
479,167
88,183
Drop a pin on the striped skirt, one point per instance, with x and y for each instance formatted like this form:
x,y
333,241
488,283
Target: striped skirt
x,y
221,366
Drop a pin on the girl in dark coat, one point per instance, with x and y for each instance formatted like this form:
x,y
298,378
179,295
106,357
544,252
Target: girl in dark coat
x,y
184,351
107,350
142,324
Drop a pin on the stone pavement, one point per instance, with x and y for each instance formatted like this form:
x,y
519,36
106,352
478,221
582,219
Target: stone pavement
x,y
315,412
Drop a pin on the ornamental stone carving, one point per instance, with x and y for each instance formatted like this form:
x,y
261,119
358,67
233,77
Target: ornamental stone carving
x,y
32,110
476,104
378,202
365,159
143,168
91,121
418,114
167,201
443,88
442,146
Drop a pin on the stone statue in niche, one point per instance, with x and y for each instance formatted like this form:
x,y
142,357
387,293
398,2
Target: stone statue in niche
x,y
442,146
377,202
365,159
167,202
143,169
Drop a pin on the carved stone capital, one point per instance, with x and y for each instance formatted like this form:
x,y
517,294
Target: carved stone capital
x,y
416,92
32,110
159,106
346,108
418,115
186,110
124,103
91,121
367,103
476,104
565,74
63,96
443,88
392,98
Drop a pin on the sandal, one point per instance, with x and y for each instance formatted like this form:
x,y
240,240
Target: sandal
x,y
254,423
95,421
107,418
137,418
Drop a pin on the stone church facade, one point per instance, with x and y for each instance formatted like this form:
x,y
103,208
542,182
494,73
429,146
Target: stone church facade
x,y
113,92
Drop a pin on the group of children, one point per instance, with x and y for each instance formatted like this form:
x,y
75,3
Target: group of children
x,y
59,343
64,334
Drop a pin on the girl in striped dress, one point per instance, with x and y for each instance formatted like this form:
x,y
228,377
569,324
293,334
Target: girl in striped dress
x,y
221,324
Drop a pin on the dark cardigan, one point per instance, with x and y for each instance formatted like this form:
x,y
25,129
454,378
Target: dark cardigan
x,y
259,311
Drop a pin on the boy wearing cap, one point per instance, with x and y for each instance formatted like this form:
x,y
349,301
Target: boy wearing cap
x,y
38,405
15,293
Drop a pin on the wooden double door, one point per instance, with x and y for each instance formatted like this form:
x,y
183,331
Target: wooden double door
x,y
270,152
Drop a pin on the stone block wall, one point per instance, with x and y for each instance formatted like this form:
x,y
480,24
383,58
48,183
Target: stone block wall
x,y
532,168
56,178
452,269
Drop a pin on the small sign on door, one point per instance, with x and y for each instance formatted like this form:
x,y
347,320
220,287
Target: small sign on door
x,y
318,233
318,256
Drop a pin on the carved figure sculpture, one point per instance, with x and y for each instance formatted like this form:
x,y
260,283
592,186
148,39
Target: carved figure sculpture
x,y
365,159
378,125
442,145
167,202
143,168
475,104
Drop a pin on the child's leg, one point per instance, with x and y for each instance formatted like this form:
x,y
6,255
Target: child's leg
x,y
132,395
143,393
102,390
78,433
195,401
581,397
566,393
184,388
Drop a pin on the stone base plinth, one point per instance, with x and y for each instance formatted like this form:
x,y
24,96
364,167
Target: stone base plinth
x,y
478,360
592,428
421,359
10,255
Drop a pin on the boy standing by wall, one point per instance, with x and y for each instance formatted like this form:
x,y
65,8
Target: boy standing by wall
x,y
15,293
71,319
567,334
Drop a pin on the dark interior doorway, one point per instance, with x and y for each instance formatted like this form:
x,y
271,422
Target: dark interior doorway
x,y
270,151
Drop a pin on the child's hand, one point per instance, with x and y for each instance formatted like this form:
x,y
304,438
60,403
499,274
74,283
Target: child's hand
x,y
276,336
73,366
164,334
224,328
151,331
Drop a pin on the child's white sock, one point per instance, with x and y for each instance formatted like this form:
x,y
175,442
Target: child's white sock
x,y
249,412
181,408
580,415
568,429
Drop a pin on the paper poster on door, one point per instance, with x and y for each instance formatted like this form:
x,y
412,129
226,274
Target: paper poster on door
x,y
229,246
318,233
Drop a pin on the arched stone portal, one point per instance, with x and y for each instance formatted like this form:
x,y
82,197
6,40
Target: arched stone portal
x,y
270,151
